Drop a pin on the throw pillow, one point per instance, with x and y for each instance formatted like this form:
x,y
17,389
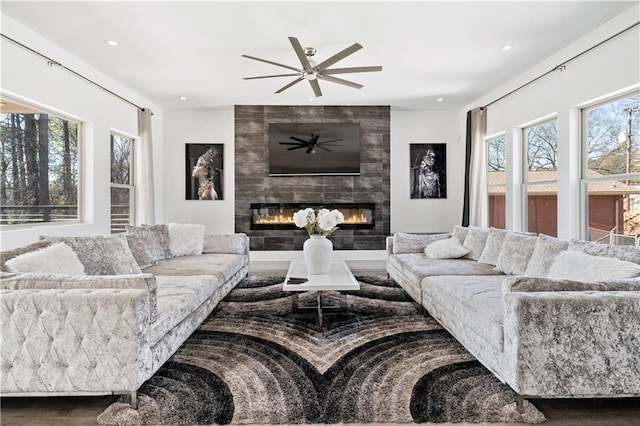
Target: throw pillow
x,y
100,255
139,250
579,266
475,241
493,246
460,232
10,254
446,249
414,243
186,239
155,239
57,258
515,253
544,253
626,253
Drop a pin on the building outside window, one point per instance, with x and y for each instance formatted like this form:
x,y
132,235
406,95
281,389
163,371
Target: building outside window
x,y
122,189
611,171
496,181
39,166
540,177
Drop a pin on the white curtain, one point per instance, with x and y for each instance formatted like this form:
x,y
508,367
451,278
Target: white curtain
x,y
145,199
478,202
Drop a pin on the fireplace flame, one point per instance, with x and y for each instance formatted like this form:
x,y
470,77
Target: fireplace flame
x,y
281,219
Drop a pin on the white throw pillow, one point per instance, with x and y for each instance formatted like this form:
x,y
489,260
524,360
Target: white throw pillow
x,y
578,266
186,239
58,258
451,248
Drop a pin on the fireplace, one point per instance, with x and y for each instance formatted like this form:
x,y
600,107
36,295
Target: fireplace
x,y
280,215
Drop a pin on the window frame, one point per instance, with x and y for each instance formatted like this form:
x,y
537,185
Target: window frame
x,y
81,126
132,176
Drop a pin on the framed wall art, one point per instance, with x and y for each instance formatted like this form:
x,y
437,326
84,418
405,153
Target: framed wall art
x,y
204,172
428,172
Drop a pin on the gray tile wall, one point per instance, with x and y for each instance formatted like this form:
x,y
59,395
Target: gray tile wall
x,y
253,184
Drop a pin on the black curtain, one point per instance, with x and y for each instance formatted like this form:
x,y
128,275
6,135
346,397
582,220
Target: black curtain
x,y
467,166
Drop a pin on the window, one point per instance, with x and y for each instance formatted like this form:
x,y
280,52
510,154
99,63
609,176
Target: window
x,y
611,172
39,170
541,177
122,189
496,181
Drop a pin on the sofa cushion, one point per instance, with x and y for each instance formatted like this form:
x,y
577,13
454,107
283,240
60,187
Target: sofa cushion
x,y
101,255
544,253
450,248
155,238
57,258
627,253
237,243
139,250
475,241
179,296
515,253
186,239
541,284
578,266
417,266
414,243
10,254
476,301
493,246
222,265
460,232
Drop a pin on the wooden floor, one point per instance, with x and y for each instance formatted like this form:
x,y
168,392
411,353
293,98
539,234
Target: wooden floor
x,y
85,410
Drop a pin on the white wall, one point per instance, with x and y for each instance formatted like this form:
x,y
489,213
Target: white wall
x,y
606,71
426,215
198,126
27,77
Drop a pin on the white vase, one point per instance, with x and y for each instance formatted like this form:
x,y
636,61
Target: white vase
x,y
317,252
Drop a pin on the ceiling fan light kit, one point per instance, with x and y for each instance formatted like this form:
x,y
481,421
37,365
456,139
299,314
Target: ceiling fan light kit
x,y
312,71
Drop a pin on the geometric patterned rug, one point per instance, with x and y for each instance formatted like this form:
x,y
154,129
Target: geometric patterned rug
x,y
382,360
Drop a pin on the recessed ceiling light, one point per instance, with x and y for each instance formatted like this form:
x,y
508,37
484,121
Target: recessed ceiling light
x,y
111,42
440,99
506,47
312,99
183,98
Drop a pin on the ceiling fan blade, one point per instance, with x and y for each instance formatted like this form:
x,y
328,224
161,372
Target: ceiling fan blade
x,y
297,80
272,63
352,69
341,81
299,140
290,143
296,147
322,147
270,76
337,57
316,88
332,140
297,47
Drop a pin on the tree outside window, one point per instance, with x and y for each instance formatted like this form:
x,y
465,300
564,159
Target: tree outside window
x,y
122,189
496,181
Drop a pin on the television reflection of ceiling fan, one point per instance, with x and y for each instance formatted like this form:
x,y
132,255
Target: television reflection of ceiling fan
x,y
311,144
311,71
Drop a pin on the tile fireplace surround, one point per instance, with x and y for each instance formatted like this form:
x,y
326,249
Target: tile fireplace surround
x,y
253,185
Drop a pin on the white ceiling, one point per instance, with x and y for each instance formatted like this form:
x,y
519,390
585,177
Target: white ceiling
x,y
428,49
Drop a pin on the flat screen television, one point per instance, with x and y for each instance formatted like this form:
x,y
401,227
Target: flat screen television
x,y
314,149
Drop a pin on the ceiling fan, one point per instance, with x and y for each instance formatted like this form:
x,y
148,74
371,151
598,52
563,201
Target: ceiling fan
x,y
311,144
311,71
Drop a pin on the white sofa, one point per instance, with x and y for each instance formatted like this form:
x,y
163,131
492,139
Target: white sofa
x,y
512,303
106,334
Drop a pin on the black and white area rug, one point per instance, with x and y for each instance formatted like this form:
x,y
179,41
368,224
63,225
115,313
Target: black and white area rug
x,y
382,360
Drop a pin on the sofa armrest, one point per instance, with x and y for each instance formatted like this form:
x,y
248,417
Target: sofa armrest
x,y
536,284
389,245
40,281
226,243
572,343
74,340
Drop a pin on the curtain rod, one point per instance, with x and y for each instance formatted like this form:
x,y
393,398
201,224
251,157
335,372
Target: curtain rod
x,y
52,62
563,65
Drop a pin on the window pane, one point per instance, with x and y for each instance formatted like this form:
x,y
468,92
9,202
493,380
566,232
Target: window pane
x,y
120,209
542,209
39,173
613,137
542,151
496,179
120,160
497,206
496,155
614,211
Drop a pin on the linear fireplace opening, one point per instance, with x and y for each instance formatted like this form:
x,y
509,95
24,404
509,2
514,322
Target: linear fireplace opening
x,y
270,216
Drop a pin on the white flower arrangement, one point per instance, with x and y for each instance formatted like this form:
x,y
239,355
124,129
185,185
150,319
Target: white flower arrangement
x,y
324,223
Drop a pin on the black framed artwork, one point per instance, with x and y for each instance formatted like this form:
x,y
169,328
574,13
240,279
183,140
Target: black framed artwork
x,y
204,171
428,172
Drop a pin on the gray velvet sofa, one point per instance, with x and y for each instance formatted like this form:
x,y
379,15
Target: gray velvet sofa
x,y
108,330
551,318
